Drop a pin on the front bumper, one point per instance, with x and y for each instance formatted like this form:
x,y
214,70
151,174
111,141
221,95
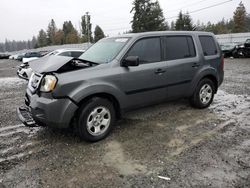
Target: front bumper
x,y
48,111
25,116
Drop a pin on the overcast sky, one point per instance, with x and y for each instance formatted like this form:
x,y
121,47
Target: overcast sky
x,y
21,19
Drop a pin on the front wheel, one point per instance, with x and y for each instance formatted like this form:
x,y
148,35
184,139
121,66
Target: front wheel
x,y
96,119
204,94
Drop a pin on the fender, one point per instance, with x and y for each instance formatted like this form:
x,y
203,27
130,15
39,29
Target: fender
x,y
86,89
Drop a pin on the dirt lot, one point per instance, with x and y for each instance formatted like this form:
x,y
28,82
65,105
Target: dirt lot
x,y
194,148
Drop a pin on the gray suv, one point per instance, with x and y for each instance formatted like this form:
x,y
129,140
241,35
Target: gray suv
x,y
118,74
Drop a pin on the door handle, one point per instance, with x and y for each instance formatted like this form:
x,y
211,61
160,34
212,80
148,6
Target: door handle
x,y
160,71
195,65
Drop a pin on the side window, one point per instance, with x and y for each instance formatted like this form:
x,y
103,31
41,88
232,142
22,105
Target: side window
x,y
208,45
148,50
76,54
65,54
178,47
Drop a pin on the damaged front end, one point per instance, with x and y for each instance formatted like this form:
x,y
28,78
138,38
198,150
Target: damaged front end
x,y
40,103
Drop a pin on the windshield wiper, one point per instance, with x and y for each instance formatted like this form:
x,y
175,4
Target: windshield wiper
x,y
91,63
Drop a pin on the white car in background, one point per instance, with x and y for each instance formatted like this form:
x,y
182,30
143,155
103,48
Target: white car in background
x,y
14,56
67,52
24,71
30,56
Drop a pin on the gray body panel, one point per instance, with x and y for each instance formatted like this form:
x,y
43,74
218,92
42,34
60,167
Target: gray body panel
x,y
132,87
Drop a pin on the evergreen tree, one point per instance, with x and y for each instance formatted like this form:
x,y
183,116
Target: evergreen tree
x,y
179,24
240,19
59,37
51,31
184,22
148,16
70,33
86,28
33,42
188,25
172,26
99,34
248,22
42,39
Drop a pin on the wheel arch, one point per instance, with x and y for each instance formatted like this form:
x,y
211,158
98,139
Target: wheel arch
x,y
213,79
210,74
104,95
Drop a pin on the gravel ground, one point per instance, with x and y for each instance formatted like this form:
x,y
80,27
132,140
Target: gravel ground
x,y
189,147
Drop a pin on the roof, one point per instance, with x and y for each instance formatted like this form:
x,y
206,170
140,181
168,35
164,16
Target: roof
x,y
153,33
73,49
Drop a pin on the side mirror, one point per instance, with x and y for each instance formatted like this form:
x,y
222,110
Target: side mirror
x,y
130,61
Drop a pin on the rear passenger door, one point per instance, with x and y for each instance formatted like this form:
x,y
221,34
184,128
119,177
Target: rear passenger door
x,y
182,61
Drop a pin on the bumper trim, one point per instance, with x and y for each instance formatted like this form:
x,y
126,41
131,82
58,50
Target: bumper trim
x,y
25,117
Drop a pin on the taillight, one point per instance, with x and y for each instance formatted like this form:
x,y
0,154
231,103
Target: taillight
x,y
222,63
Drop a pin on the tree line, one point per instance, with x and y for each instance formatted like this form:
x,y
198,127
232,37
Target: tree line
x,y
147,16
68,34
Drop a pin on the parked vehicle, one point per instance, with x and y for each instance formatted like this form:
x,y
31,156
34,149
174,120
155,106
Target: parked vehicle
x,y
118,74
14,56
20,57
243,50
30,56
67,52
24,71
4,56
229,49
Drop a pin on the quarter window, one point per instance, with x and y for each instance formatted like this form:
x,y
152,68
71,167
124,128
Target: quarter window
x,y
148,50
208,45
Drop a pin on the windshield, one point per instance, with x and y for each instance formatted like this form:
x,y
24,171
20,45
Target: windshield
x,y
105,50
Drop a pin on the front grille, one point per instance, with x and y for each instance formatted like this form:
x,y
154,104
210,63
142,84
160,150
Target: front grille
x,y
34,82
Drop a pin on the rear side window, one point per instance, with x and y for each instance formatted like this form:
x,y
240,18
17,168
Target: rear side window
x,y
148,50
68,54
208,45
178,47
76,54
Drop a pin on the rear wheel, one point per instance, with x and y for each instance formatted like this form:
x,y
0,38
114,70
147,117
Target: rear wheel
x,y
204,94
96,119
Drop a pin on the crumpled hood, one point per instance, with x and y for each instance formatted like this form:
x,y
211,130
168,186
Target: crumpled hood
x,y
49,64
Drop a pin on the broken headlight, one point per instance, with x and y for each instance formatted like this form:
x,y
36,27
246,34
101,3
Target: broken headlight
x,y
48,83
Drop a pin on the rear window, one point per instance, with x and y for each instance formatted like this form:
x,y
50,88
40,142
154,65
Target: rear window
x,y
208,45
178,47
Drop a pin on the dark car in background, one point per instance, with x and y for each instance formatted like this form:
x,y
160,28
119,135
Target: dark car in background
x,y
229,49
243,50
20,57
4,56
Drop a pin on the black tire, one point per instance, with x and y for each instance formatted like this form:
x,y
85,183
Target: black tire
x,y
85,113
196,100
